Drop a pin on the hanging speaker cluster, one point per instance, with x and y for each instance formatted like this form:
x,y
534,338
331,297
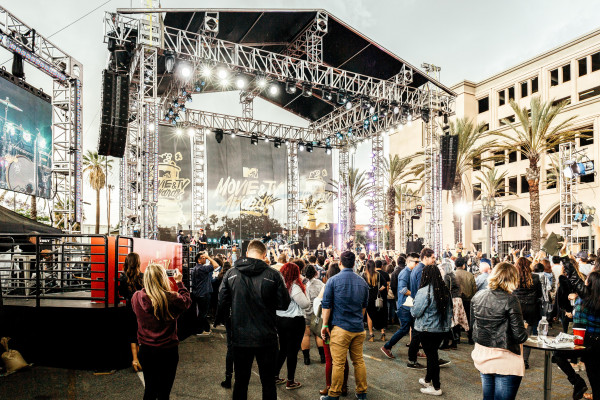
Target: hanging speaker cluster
x,y
449,154
115,111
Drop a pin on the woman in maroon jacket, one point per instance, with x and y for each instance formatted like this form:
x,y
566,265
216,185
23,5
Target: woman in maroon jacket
x,y
157,309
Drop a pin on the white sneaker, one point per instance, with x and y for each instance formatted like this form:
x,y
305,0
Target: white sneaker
x,y
430,390
423,383
204,333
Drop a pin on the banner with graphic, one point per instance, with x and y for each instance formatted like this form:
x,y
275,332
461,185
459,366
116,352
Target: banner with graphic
x,y
316,193
174,181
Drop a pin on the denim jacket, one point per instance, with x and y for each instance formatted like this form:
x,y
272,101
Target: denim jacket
x,y
426,315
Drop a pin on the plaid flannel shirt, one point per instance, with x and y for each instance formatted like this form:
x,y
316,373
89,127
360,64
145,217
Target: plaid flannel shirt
x,y
582,318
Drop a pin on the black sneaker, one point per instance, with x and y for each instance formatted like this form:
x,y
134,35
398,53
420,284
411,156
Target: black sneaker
x,y
415,365
443,363
579,389
226,383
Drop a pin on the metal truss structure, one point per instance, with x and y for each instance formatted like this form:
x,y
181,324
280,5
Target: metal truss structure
x,y
199,197
293,190
568,195
67,74
377,192
343,195
394,101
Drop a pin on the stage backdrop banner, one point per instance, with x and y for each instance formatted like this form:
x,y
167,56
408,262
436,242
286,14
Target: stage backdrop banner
x,y
246,187
174,181
25,141
316,196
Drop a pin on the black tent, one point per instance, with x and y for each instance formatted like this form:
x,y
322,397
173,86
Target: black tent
x,y
11,222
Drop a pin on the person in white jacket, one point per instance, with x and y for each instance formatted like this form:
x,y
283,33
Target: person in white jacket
x,y
313,288
291,325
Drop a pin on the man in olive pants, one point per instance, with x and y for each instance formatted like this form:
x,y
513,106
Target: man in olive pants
x,y
344,304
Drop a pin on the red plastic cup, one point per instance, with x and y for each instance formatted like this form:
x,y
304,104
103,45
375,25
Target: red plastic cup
x,y
578,334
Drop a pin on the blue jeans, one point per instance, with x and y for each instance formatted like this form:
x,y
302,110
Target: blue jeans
x,y
500,387
406,322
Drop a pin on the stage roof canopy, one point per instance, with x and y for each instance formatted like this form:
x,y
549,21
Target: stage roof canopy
x,y
11,222
275,29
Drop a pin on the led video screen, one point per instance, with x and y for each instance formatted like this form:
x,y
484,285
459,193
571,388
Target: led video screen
x,y
25,140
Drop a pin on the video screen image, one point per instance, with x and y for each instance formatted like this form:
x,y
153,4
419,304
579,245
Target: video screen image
x,y
25,141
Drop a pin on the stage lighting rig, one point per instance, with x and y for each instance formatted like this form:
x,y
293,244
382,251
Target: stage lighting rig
x,y
425,115
206,71
328,149
273,89
254,140
342,98
222,73
578,168
261,82
349,103
395,108
307,90
277,143
241,82
185,70
327,95
169,61
218,135
301,145
309,147
199,86
290,86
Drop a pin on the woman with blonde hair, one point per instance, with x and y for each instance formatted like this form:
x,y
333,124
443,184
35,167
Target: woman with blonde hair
x,y
157,309
499,332
130,282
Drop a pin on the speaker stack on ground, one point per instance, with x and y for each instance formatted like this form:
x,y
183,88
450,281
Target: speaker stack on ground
x,y
115,114
449,153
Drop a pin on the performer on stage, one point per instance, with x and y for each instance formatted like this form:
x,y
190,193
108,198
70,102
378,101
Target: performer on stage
x,y
225,239
202,240
350,243
267,238
180,237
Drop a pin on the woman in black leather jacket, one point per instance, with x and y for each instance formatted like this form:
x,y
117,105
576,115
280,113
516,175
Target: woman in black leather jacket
x,y
530,295
498,332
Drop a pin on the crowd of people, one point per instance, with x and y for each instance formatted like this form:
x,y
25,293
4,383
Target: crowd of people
x,y
275,304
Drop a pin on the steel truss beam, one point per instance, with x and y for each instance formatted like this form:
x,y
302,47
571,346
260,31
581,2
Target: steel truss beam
x,y
310,42
377,191
200,48
342,195
293,191
67,144
199,188
568,196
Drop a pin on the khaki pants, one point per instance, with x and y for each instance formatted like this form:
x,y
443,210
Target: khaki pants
x,y
341,342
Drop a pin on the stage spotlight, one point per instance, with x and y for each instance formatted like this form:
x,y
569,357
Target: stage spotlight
x,y
328,150
179,131
232,133
365,103
174,123
261,82
340,136
395,107
372,110
254,140
290,87
206,71
375,117
342,98
176,117
185,70
425,115
576,169
191,132
151,126
240,82
171,112
348,104
42,142
349,132
219,135
266,139
301,146
327,95
182,108
222,73
277,143
169,61
307,90
199,86
309,147
405,111
175,103
273,89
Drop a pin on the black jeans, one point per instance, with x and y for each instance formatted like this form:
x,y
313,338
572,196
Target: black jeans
x,y
266,357
562,358
431,342
413,348
201,305
159,366
467,305
591,359
291,332
229,356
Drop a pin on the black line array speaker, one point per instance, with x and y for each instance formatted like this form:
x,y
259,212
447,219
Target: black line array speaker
x,y
449,154
115,114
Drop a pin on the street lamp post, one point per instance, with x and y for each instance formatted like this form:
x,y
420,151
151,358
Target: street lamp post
x,y
491,213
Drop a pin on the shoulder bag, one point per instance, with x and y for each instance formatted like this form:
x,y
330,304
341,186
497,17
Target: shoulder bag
x,y
379,299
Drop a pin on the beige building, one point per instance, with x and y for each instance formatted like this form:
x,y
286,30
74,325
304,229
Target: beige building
x,y
571,71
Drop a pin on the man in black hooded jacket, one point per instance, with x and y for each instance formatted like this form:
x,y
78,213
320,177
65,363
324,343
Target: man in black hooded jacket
x,y
252,291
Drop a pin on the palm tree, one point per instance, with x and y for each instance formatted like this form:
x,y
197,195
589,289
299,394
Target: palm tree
x,y
357,188
537,134
96,166
492,182
396,173
470,147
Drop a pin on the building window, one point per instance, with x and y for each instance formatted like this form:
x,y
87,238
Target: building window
x,y
589,178
501,190
523,155
586,141
502,121
512,219
477,163
512,156
554,77
512,185
476,191
534,85
524,184
557,102
485,127
511,93
524,88
555,219
566,72
524,221
499,157
595,61
483,104
477,221
551,179
582,66
501,97
586,94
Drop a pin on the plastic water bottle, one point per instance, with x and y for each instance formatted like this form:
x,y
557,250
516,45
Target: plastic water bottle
x,y
543,328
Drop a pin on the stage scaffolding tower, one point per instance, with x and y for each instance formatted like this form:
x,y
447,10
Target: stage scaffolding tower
x,y
433,167
342,195
293,190
568,195
377,192
199,179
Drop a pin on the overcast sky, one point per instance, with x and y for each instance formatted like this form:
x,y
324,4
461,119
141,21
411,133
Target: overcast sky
x,y
468,39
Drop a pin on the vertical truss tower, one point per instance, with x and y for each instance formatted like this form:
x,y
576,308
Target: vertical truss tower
x,y
568,196
293,189
342,195
377,192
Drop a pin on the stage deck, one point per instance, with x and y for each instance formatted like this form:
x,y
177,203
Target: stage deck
x,y
58,300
